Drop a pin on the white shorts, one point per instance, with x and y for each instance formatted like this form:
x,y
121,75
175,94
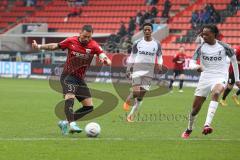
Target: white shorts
x,y
144,82
205,85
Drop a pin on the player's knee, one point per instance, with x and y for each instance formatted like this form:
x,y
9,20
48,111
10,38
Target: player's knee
x,y
216,94
136,94
229,86
142,92
69,96
141,95
182,76
87,101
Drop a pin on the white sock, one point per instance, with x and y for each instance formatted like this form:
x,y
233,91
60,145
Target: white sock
x,y
73,123
135,107
191,121
211,111
65,121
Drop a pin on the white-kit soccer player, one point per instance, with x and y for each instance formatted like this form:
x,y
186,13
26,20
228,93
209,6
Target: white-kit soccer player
x,y
214,75
146,57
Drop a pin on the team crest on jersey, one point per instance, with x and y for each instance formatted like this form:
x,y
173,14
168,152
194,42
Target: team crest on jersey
x,y
88,51
154,49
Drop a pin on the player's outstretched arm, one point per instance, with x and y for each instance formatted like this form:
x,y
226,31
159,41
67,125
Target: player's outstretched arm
x,y
49,46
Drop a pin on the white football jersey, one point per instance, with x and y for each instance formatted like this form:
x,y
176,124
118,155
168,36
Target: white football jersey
x,y
144,56
214,58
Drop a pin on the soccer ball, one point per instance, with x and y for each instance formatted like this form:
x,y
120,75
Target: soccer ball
x,y
92,129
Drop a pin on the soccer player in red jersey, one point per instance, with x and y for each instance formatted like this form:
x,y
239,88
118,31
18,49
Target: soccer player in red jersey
x,y
178,60
81,50
231,81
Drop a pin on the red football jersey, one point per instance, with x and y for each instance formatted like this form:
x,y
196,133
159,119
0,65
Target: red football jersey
x,y
179,60
79,55
237,51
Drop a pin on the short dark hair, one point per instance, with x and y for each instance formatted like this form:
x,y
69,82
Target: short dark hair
x,y
87,28
148,24
213,28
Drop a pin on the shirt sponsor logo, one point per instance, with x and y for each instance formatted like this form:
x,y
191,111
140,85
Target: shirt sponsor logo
x,y
206,58
146,53
81,55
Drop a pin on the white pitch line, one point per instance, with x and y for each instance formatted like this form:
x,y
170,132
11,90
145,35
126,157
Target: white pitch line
x,y
113,139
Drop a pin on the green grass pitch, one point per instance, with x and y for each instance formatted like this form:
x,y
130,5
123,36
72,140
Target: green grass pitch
x,y
28,128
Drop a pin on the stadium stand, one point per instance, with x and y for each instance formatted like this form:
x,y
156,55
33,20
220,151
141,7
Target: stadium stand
x,y
183,33
105,16
13,12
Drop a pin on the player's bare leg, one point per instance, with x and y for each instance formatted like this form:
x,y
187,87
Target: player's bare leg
x,y
225,94
171,83
138,94
181,77
197,104
135,94
215,94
